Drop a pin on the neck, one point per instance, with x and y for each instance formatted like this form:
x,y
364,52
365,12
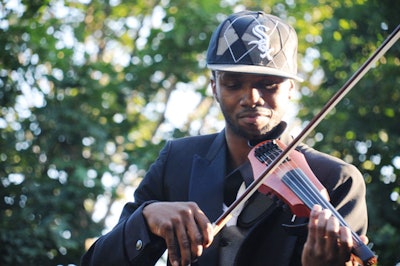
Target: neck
x,y
238,149
238,146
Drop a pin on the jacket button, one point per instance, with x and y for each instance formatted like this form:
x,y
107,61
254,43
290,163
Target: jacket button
x,y
139,245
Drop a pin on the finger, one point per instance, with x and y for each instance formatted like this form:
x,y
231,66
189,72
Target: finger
x,y
172,245
346,237
205,228
332,237
321,237
323,219
346,243
309,253
184,243
195,237
364,239
312,224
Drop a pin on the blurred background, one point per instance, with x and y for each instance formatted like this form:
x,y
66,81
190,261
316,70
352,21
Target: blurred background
x,y
90,90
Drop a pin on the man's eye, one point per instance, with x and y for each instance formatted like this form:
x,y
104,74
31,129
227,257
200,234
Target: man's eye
x,y
270,86
233,86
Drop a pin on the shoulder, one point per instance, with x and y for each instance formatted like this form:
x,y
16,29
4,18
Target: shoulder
x,y
331,170
202,145
208,138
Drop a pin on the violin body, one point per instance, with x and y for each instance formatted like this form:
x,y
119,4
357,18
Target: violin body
x,y
274,185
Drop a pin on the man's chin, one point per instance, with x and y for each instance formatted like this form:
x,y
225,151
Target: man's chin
x,y
258,134
250,132
254,135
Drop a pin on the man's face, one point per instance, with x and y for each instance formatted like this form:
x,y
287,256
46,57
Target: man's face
x,y
251,104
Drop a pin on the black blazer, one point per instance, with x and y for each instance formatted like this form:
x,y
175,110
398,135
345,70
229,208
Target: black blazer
x,y
193,169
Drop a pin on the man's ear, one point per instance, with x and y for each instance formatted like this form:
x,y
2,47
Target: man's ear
x,y
214,89
291,88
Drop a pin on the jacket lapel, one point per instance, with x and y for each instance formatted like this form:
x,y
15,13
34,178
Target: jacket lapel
x,y
207,178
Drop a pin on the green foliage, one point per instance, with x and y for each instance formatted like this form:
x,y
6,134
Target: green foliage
x,y
85,87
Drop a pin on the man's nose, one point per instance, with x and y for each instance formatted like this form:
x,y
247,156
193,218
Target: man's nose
x,y
252,97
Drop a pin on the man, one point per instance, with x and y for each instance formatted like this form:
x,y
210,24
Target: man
x,y
252,56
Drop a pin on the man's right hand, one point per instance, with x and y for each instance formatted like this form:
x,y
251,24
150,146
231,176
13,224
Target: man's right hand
x,y
184,227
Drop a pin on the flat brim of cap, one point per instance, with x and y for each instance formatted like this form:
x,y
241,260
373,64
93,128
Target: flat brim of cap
x,y
251,69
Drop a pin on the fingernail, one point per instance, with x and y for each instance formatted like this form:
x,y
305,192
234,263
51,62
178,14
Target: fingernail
x,y
328,213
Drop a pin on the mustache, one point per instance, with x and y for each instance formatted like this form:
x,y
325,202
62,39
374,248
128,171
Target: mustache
x,y
258,111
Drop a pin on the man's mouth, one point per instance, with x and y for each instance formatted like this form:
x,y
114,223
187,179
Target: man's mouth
x,y
254,117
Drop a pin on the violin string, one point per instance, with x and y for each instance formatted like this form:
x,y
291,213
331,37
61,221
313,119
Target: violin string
x,y
298,184
301,185
307,191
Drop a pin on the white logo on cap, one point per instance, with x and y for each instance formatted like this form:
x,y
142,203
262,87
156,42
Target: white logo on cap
x,y
263,44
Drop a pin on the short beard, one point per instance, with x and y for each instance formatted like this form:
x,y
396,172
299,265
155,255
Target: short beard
x,y
238,131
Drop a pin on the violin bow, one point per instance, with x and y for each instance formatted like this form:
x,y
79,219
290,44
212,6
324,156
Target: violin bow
x,y
337,97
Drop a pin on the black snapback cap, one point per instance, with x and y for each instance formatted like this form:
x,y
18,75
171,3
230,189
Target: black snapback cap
x,y
254,42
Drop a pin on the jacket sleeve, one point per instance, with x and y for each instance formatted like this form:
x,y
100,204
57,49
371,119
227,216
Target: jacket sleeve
x,y
130,242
